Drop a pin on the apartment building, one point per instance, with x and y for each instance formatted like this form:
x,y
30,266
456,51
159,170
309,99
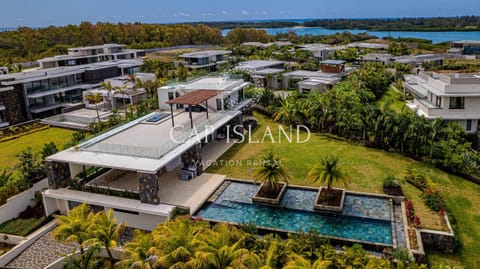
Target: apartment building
x,y
209,60
45,92
465,47
91,54
452,96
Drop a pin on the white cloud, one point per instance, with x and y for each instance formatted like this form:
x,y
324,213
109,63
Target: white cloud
x,y
244,12
181,14
207,14
226,12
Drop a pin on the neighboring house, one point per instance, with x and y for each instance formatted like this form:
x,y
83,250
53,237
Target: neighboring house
x,y
368,46
46,92
417,62
209,60
123,92
321,51
264,73
332,72
465,47
91,54
452,96
232,92
383,58
145,169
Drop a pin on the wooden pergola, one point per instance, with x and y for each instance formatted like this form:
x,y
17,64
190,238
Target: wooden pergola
x,y
192,99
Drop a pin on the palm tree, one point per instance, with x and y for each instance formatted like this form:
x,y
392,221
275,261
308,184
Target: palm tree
x,y
141,252
298,262
75,227
271,172
95,98
106,232
175,241
121,90
327,171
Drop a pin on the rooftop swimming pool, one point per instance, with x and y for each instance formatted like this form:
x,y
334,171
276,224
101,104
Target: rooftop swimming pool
x,y
364,218
157,117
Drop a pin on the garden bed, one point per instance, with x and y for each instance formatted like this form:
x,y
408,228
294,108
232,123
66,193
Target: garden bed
x,y
4,248
329,200
263,196
394,191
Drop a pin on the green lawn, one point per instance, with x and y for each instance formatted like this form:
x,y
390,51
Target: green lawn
x,y
34,140
366,169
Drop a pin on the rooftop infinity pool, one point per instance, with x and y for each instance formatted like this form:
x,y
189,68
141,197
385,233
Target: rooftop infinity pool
x,y
364,218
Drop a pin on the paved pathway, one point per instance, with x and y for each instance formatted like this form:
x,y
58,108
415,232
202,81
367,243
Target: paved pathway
x,y
41,253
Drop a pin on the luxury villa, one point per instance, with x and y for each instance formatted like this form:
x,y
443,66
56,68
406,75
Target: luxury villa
x,y
454,97
146,168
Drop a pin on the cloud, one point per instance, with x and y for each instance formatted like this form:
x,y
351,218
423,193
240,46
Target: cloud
x,y
181,14
207,14
225,12
244,12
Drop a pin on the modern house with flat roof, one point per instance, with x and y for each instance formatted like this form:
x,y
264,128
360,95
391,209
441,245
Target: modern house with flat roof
x,y
264,73
91,54
416,61
321,51
368,46
45,92
146,168
209,60
465,47
452,96
231,92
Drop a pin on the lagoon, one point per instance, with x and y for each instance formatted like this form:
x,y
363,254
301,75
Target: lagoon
x,y
436,37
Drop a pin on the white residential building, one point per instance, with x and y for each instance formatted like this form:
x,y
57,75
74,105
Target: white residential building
x,y
206,59
452,96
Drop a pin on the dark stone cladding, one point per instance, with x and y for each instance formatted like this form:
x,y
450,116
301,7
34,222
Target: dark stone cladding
x,y
58,174
15,110
148,188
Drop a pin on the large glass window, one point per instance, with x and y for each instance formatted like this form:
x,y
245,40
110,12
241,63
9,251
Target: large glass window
x,y
438,101
457,103
469,125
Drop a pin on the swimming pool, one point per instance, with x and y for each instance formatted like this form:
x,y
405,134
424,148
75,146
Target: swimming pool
x,y
364,218
157,117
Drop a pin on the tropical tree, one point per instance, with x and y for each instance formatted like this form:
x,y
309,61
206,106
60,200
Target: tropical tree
x,y
327,171
270,172
105,232
95,99
75,227
298,262
123,91
141,252
48,149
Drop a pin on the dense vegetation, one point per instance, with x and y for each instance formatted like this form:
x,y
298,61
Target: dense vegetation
x,y
464,23
183,243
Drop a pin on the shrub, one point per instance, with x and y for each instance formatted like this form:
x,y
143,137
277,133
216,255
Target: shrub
x,y
416,179
410,212
390,182
434,200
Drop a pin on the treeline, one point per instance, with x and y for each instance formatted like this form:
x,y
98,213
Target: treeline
x,y
350,111
265,24
27,44
464,23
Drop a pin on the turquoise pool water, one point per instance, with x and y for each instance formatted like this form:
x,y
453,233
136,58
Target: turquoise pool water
x,y
366,219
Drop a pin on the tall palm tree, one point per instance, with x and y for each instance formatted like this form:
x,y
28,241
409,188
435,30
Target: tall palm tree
x,y
141,252
96,99
121,90
75,227
270,172
106,232
327,171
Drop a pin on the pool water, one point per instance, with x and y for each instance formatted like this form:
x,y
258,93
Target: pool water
x,y
158,117
366,219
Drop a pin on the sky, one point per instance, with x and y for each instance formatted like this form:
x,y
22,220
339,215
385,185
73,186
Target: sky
x,y
39,13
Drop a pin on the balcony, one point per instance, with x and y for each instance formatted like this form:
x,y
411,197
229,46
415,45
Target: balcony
x,y
425,108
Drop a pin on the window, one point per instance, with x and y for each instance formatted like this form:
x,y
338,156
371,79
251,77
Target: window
x,y
457,103
469,125
438,101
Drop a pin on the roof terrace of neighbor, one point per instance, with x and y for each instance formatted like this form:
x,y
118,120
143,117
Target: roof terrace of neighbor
x,y
194,98
204,54
211,83
259,64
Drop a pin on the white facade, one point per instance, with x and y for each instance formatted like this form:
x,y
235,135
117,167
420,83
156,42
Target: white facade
x,y
448,96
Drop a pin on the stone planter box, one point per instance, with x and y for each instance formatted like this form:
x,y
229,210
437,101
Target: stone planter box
x,y
269,201
331,208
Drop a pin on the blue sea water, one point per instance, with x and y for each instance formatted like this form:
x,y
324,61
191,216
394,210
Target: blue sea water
x,y
363,218
436,37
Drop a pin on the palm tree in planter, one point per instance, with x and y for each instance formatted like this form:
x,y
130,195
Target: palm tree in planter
x,y
273,177
328,171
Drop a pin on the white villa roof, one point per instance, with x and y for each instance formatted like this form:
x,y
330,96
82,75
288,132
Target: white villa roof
x,y
258,64
205,53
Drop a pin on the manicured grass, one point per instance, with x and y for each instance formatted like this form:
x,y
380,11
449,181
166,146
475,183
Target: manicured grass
x,y
22,227
366,168
34,140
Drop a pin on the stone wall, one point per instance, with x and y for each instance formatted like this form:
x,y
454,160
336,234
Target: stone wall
x,y
15,111
192,157
438,240
148,188
58,174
